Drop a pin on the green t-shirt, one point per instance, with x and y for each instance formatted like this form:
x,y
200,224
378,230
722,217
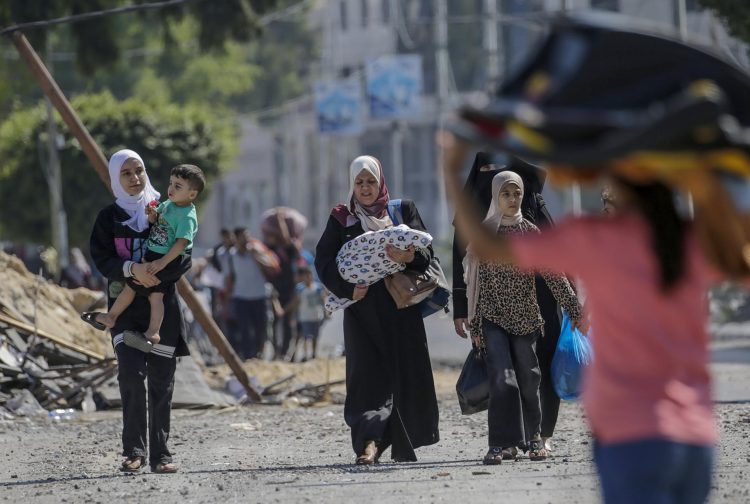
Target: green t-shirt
x,y
174,222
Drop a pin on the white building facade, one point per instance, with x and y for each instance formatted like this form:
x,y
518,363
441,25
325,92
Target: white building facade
x,y
292,164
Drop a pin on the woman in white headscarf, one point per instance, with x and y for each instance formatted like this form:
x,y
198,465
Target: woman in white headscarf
x,y
118,243
504,318
390,397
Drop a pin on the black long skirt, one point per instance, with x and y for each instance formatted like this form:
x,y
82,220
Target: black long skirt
x,y
390,391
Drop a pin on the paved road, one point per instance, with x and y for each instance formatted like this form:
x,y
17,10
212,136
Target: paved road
x,y
276,454
730,359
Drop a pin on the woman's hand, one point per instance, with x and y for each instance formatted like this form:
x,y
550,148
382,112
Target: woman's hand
x,y
461,325
359,292
582,325
155,266
477,340
143,277
400,256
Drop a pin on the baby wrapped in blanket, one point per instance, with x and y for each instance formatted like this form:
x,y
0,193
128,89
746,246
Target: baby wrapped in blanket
x,y
364,261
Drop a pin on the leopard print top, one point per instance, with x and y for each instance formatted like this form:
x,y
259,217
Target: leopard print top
x,y
507,296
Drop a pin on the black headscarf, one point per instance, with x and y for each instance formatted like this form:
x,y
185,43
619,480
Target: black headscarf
x,y
479,183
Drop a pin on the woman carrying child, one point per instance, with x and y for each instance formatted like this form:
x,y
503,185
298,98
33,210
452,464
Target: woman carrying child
x,y
118,243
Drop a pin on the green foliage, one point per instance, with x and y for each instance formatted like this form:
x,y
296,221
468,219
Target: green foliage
x,y
159,57
98,41
735,13
164,136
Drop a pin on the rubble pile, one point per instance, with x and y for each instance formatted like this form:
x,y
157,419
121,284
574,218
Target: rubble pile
x,y
49,357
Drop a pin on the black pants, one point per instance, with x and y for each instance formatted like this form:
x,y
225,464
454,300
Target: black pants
x,y
545,351
249,327
146,386
514,416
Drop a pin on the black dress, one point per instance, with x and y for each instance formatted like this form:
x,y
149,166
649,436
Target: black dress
x,y
390,391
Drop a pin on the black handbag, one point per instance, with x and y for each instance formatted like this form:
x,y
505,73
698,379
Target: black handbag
x,y
473,385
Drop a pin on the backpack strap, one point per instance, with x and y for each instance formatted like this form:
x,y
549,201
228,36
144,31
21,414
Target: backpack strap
x,y
394,211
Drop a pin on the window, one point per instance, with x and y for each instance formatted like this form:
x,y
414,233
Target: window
x,y
385,10
365,13
343,14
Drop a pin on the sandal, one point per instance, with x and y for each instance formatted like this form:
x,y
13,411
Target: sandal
x,y
133,464
370,455
90,318
537,451
510,453
494,456
137,340
164,468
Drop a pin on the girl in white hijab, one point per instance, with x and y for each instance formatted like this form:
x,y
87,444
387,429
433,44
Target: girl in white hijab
x,y
134,205
504,318
494,219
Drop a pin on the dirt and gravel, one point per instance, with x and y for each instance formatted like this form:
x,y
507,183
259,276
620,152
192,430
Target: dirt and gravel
x,y
282,454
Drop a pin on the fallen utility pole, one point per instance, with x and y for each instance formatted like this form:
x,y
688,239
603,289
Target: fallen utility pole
x,y
97,159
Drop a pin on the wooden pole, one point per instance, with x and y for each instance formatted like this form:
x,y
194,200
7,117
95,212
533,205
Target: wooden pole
x,y
95,155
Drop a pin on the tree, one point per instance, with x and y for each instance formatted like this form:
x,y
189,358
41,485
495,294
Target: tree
x,y
735,13
98,41
161,61
164,136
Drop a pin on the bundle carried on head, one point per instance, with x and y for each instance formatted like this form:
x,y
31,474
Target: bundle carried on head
x,y
597,96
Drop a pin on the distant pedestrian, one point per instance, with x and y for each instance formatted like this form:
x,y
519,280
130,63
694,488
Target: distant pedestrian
x,y
308,306
246,289
282,244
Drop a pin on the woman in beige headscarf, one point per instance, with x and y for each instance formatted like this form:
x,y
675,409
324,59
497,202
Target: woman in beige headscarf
x,y
504,318
390,398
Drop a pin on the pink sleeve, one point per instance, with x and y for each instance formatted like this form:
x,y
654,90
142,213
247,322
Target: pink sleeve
x,y
566,248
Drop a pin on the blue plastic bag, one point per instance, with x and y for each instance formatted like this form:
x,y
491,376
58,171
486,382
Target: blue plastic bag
x,y
572,355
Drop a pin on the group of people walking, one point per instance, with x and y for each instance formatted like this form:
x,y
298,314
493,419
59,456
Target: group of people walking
x,y
263,291
511,312
646,270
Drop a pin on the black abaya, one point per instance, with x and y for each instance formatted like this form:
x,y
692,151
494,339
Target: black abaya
x,y
390,391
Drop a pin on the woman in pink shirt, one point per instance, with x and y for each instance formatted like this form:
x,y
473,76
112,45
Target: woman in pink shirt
x,y
647,392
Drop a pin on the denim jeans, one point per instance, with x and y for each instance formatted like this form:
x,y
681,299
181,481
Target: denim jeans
x,y
654,471
514,415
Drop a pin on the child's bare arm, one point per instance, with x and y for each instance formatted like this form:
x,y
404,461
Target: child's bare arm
x,y
174,252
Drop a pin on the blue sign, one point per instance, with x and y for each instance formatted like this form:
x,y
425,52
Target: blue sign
x,y
338,106
394,86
